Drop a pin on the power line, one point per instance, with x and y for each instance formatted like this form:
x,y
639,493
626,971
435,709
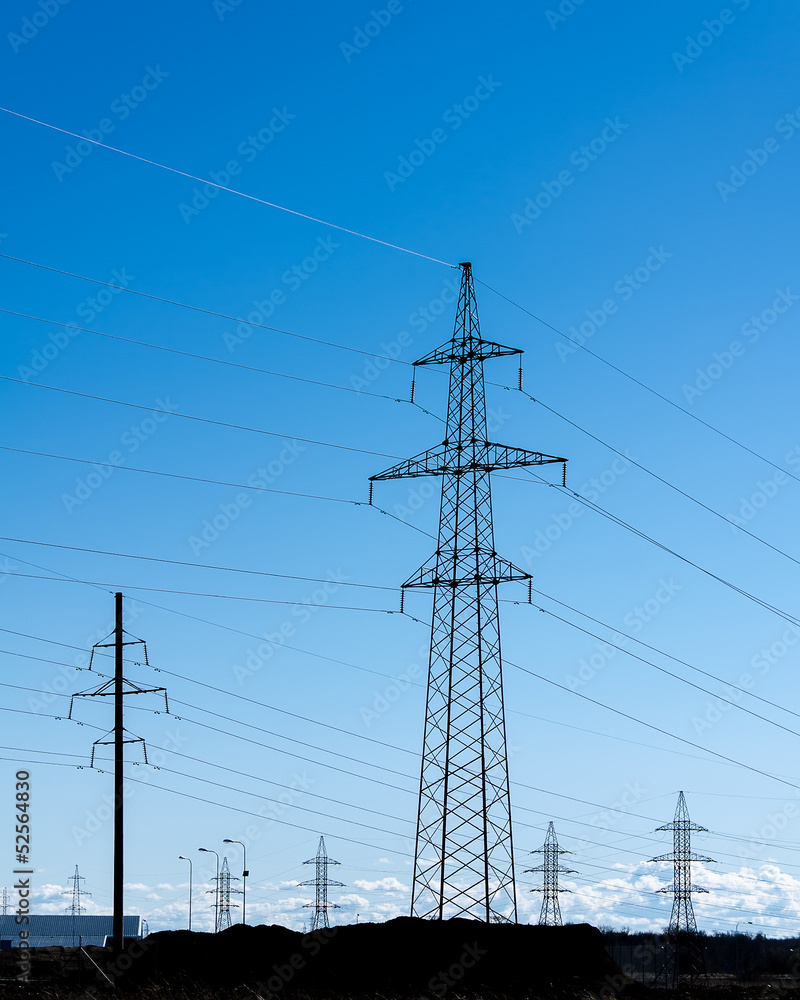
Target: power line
x,y
221,187
676,659
665,548
191,565
649,725
643,385
661,479
216,482
189,416
194,593
218,361
669,673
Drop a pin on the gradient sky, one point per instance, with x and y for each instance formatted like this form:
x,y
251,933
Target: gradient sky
x,y
625,172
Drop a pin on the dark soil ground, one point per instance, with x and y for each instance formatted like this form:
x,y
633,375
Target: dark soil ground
x,y
403,958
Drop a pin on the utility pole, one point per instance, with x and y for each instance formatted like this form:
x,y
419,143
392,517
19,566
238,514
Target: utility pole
x,y
118,687
119,779
464,858
684,957
551,868
322,883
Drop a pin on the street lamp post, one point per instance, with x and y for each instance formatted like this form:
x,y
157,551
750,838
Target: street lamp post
x,y
245,873
182,858
216,888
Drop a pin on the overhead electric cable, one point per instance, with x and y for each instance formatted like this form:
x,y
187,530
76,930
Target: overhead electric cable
x,y
222,187
641,384
661,479
189,416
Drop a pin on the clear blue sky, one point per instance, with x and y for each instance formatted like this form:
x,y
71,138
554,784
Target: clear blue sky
x,y
627,172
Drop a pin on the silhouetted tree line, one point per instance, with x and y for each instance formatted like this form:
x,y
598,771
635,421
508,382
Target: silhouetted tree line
x,y
745,956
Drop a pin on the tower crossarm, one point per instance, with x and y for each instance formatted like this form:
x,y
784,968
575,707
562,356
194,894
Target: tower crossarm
x,y
493,569
464,351
685,857
457,460
682,826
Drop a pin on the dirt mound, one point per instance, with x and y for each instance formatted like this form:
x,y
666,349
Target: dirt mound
x,y
402,957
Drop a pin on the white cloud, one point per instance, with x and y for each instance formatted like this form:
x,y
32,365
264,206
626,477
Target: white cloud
x,y
388,884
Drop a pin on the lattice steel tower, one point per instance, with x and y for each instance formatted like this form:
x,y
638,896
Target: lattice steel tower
x,y
464,859
223,916
322,884
551,868
684,959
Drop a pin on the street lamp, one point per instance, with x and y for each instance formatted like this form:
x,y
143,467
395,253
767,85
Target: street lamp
x,y
182,858
245,873
216,888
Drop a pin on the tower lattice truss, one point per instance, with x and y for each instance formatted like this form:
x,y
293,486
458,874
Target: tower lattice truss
x,y
464,860
322,883
684,959
551,868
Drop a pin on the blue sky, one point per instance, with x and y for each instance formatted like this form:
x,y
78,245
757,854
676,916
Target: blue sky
x,y
655,152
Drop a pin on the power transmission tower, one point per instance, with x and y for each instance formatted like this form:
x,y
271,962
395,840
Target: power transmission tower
x,y
322,884
223,919
75,909
551,909
5,903
464,859
117,688
684,959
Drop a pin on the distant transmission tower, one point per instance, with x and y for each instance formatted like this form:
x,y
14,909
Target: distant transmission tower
x,y
464,859
322,883
75,909
223,920
5,903
551,909
684,960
